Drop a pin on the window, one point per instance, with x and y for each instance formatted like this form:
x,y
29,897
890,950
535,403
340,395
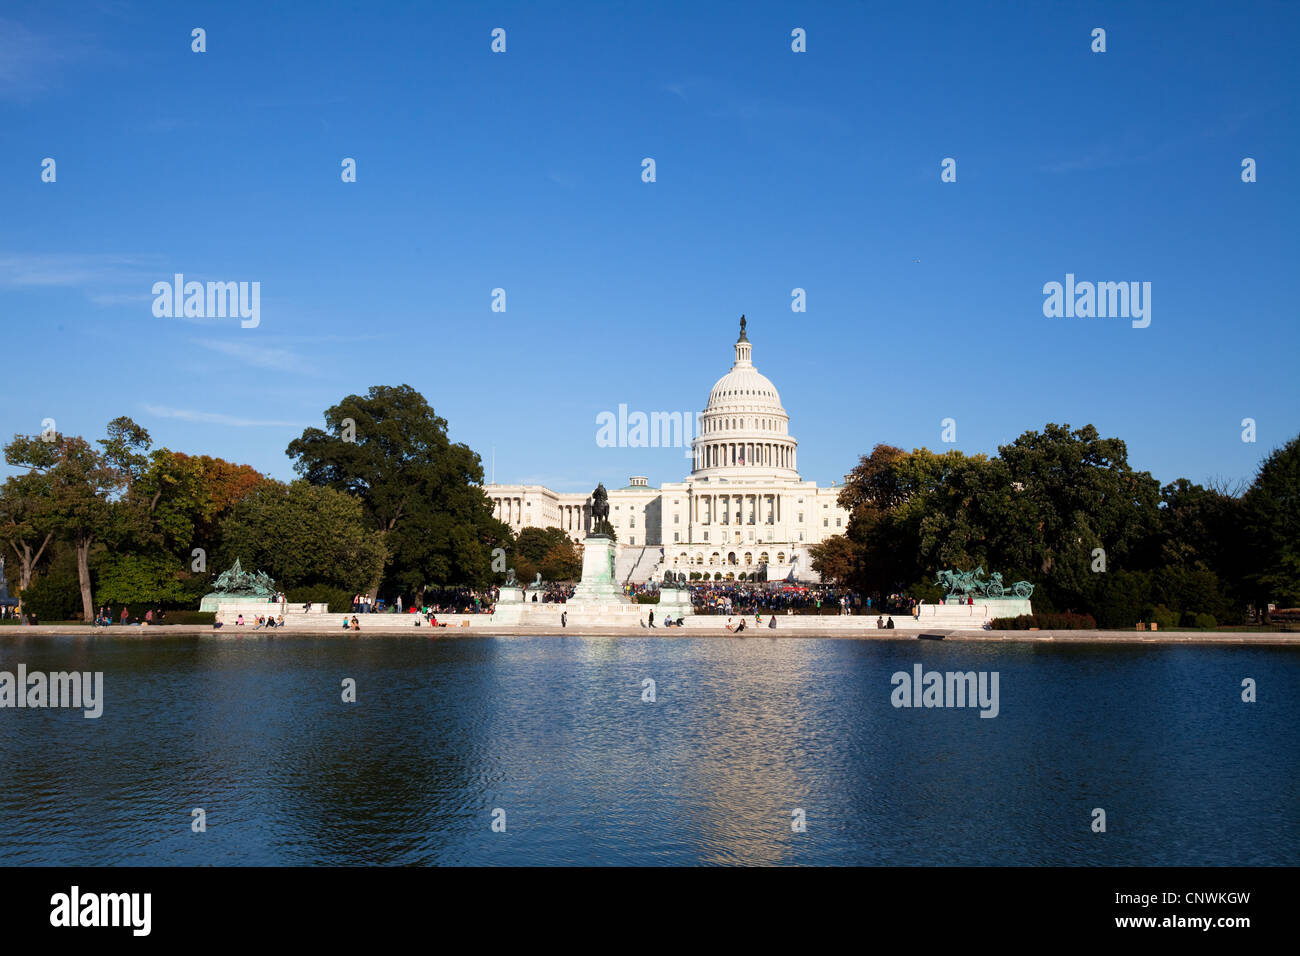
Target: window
x,y
676,537
706,536
800,535
801,516
826,522
837,522
677,519
632,540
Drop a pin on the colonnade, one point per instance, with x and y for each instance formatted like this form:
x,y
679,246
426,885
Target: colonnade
x,y
574,519
736,509
759,454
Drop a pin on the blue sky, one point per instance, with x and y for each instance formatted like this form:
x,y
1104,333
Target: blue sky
x,y
775,170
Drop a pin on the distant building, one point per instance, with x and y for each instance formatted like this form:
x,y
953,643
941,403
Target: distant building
x,y
742,508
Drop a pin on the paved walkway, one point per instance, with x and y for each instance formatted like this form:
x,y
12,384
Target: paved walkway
x,y
487,629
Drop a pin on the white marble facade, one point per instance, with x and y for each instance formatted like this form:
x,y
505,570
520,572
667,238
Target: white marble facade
x,y
742,506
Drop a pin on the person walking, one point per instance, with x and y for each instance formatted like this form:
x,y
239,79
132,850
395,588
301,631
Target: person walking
x,y
564,619
652,617
124,615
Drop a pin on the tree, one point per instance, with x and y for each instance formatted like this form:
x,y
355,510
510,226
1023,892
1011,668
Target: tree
x,y
187,496
420,491
86,492
835,559
25,522
1271,512
150,578
562,562
1074,493
81,482
304,536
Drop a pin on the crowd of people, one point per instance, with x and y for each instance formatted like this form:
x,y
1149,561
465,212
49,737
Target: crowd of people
x,y
557,593
104,616
747,598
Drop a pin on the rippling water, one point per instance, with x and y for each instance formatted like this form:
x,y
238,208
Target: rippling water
x,y
554,731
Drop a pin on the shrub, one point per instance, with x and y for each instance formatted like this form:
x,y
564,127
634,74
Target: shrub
x,y
644,598
1047,622
1206,621
55,595
1166,619
190,617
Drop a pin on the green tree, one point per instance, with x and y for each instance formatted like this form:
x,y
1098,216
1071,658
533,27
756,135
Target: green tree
x,y
151,578
85,487
562,562
26,523
187,496
420,491
834,560
1074,493
303,536
1271,513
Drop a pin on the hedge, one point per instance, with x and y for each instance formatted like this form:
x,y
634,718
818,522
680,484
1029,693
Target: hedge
x,y
1046,622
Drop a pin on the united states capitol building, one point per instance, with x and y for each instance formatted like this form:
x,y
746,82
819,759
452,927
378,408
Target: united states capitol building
x,y
742,509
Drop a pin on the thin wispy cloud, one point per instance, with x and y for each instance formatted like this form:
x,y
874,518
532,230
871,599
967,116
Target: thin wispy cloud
x,y
259,355
71,271
218,418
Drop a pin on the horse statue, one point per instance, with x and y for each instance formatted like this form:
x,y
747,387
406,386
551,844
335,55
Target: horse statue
x,y
966,583
599,503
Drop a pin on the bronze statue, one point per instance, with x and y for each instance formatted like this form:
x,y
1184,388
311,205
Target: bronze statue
x,y
235,580
599,503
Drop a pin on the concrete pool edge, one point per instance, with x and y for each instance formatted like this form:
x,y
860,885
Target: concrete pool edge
x,y
868,633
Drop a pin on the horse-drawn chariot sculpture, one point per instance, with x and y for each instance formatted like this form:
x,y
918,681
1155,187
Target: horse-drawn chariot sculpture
x,y
965,584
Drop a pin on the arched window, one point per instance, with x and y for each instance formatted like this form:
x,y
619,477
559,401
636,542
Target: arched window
x,y
749,558
780,557
762,558
731,557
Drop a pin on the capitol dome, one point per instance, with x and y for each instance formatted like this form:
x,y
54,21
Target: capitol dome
x,y
745,385
744,430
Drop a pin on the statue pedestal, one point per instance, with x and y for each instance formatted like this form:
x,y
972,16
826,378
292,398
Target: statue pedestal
x,y
598,585
675,602
509,594
213,600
